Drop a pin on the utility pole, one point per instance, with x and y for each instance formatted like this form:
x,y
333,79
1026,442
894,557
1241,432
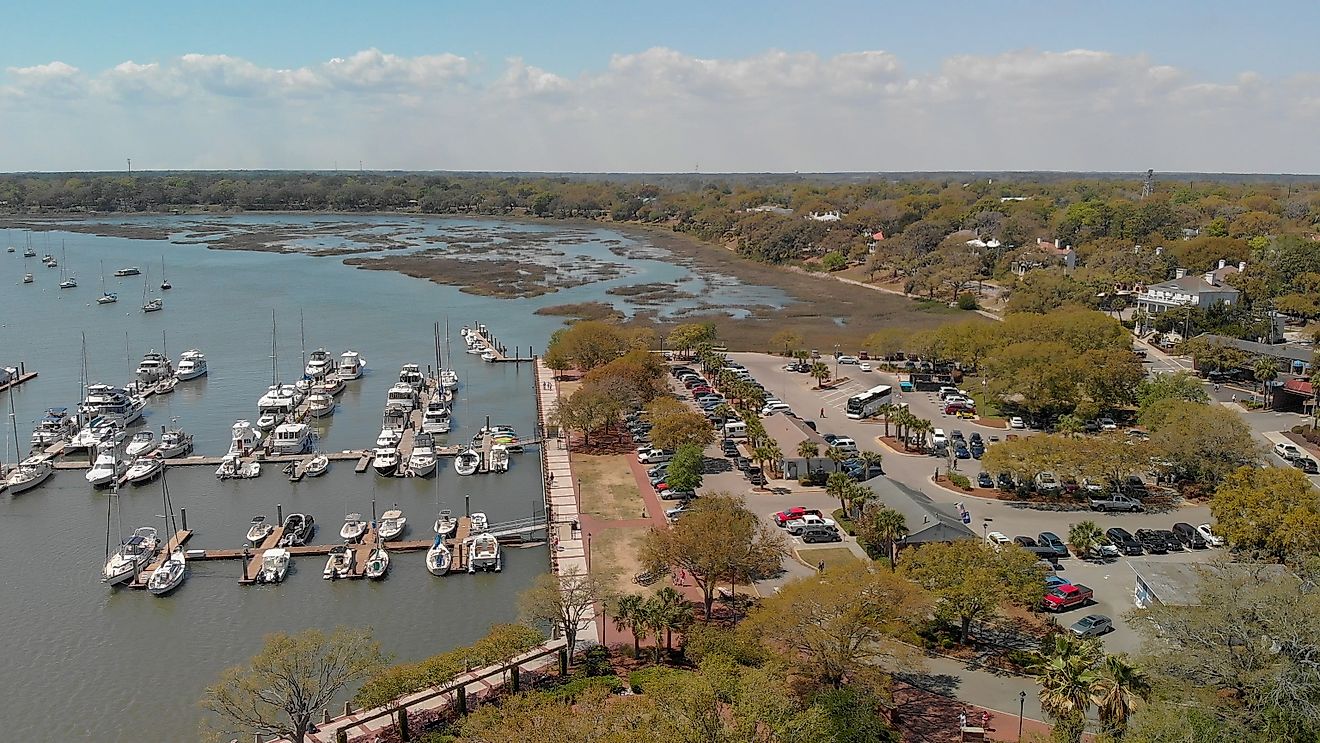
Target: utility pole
x,y
130,165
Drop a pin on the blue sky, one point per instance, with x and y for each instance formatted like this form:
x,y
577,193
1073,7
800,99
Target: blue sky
x,y
579,65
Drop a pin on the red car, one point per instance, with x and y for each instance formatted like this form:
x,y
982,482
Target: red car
x,y
1062,598
796,512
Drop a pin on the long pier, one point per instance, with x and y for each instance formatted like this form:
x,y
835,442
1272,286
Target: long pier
x,y
194,461
23,376
498,352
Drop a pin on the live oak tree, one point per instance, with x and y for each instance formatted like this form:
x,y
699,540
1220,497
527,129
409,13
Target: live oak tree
x,y
562,601
674,429
842,619
1197,442
972,579
688,336
290,680
1272,510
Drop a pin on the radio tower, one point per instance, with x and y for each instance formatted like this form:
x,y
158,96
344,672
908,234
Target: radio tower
x,y
1148,187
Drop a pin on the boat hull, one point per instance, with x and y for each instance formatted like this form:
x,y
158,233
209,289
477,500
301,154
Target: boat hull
x,y
19,487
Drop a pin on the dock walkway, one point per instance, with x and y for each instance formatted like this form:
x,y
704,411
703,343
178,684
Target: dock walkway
x,y
499,352
23,376
178,540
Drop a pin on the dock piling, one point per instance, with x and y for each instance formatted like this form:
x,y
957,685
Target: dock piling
x,y
246,560
467,504
183,517
279,514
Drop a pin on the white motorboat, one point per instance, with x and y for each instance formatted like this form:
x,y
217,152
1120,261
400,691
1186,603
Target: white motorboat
x,y
87,436
153,368
317,465
436,419
55,426
467,461
332,385
174,442
488,356
166,385
274,565
378,563
445,524
421,462
298,530
354,527
259,529
388,438
292,438
128,271
244,438
320,405
438,557
109,437
106,298
479,522
144,470
499,458
234,468
132,556
142,444
351,366
449,379
268,421
385,461
484,554
401,395
106,469
29,253
115,402
27,475
192,364
411,375
319,364
279,399
28,278
169,575
340,563
391,524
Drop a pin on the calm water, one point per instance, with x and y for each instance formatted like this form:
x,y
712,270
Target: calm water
x,y
84,661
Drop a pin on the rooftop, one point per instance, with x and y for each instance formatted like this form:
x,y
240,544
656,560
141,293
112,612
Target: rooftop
x,y
1191,284
1175,583
927,521
1285,351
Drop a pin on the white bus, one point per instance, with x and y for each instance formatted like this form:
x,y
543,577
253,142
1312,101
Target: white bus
x,y
866,404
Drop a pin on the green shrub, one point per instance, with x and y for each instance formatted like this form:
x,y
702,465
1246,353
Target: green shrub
x,y
705,640
966,301
570,691
961,481
834,261
845,523
639,679
596,661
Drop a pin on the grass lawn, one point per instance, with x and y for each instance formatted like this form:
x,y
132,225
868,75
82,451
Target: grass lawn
x,y
831,555
614,560
985,405
609,490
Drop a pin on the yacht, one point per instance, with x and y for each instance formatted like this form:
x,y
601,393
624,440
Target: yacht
x,y
144,470
130,271
153,368
29,253
411,375
319,364
91,434
351,366
449,379
105,470
378,562
401,395
332,385
438,557
354,527
385,461
68,282
292,438
467,461
274,565
479,522
499,458
28,278
174,442
155,304
232,467
169,575
55,426
244,438
320,405
259,529
107,298
317,466
422,461
298,530
280,400
388,438
134,553
436,419
27,475
192,364
391,524
445,524
484,554
108,400
340,563
142,444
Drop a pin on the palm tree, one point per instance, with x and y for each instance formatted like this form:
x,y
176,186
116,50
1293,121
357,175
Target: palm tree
x,y
1315,390
903,421
629,614
870,459
923,428
808,449
653,618
885,411
857,495
888,527
762,454
801,354
837,486
1117,690
1084,536
820,372
1265,371
774,455
675,613
1066,674
835,455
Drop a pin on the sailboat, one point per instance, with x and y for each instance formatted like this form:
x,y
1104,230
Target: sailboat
x,y
67,281
106,297
28,278
170,574
125,563
28,473
165,284
155,304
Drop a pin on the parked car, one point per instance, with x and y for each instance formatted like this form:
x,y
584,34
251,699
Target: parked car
x,y
845,444
1054,581
1171,541
1005,481
1092,625
796,526
1124,541
846,359
729,448
1051,540
1116,502
1211,538
961,451
938,438
1134,485
742,463
1306,464
1287,452
997,539
753,472
796,512
1027,542
757,479
977,448
864,367
1016,422
814,534
975,437
1103,552
1107,424
1151,541
983,480
1063,598
1047,481
775,407
1189,536
654,456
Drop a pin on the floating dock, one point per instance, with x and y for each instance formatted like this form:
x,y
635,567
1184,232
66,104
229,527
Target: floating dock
x,y
23,376
499,352
178,540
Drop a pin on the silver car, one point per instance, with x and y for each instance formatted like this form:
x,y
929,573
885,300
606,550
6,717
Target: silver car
x,y
1092,625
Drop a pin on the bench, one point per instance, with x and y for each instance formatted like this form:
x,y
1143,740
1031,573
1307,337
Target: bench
x,y
649,577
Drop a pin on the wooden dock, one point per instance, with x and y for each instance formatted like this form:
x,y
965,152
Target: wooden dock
x,y
458,554
20,379
498,350
178,540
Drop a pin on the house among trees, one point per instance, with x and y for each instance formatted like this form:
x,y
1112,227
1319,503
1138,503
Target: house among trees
x,y
1045,254
833,216
1202,291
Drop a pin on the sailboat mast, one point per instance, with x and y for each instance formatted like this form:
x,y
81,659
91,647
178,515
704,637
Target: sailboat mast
x,y
302,334
13,420
274,352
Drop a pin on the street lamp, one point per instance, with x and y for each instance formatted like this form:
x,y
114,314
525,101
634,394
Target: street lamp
x,y
1022,705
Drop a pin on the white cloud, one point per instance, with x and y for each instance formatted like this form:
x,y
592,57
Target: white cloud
x,y
661,110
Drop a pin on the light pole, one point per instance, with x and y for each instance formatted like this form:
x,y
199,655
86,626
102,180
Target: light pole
x,y
836,361
1022,706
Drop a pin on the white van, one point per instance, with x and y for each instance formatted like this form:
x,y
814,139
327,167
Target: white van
x,y
735,430
775,407
938,438
845,444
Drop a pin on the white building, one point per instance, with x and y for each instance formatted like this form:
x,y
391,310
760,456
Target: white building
x,y
1195,290
825,217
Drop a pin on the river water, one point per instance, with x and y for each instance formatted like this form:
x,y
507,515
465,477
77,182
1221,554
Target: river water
x,y
87,662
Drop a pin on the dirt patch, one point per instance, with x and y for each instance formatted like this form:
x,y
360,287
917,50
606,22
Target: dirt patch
x,y
614,559
582,311
609,490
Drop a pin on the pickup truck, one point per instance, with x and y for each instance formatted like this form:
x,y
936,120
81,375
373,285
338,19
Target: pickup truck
x,y
1116,502
796,512
796,526
1063,598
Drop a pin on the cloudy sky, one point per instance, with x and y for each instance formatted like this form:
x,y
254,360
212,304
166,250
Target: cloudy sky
x,y
620,86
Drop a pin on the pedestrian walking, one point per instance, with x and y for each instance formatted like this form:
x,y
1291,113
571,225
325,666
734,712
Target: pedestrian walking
x,y
820,566
962,719
985,720
822,412
552,478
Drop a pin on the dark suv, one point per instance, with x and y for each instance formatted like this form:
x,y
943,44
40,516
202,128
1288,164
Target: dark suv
x,y
1189,536
1051,540
1124,541
812,534
1152,541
